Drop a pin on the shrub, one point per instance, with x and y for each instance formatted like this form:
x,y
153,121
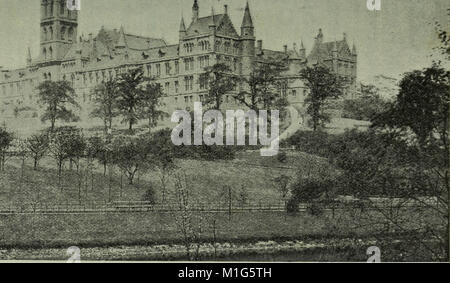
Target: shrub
x,y
316,143
363,108
149,196
282,157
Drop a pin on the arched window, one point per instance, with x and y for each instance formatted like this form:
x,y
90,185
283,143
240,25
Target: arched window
x,y
63,33
50,52
49,76
62,6
44,53
50,32
70,34
44,33
51,9
45,9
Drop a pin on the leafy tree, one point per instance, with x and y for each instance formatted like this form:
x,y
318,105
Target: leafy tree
x,y
152,95
317,143
282,185
66,143
130,94
220,82
422,105
365,107
57,97
130,155
38,146
6,139
420,118
263,89
323,85
105,99
163,156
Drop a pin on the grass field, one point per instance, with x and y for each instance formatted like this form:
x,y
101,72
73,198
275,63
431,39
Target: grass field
x,y
207,180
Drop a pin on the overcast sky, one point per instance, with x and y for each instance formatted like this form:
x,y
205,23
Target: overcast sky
x,y
396,39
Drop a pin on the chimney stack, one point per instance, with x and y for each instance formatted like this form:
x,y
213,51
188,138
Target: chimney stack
x,y
285,49
225,9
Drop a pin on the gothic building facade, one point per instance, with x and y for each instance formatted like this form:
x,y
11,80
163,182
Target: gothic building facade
x,y
204,41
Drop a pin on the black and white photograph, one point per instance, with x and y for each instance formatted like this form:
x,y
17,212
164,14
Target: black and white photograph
x,y
224,131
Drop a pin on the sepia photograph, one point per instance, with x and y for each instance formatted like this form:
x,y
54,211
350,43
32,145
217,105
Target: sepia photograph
x,y
224,131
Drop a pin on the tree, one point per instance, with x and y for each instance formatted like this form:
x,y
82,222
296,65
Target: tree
x,y
152,95
130,155
37,146
131,89
220,81
281,183
105,98
263,88
66,143
420,117
6,139
422,105
323,85
57,97
163,156
365,107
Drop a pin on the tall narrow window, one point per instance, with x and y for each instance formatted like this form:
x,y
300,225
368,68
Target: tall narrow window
x,y
63,33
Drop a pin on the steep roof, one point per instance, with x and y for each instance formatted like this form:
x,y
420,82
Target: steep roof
x,y
201,25
107,41
247,21
325,50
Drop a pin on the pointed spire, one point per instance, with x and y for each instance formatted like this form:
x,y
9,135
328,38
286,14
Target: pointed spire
x,y
212,23
247,22
182,25
302,51
121,43
195,11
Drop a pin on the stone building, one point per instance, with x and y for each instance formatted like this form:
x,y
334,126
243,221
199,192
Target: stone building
x,y
204,41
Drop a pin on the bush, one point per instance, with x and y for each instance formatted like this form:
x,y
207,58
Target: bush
x,y
316,143
363,108
315,209
149,196
282,157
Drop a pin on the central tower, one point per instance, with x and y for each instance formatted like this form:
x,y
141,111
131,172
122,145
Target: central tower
x,y
58,29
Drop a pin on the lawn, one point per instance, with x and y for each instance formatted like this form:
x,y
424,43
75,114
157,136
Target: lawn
x,y
207,180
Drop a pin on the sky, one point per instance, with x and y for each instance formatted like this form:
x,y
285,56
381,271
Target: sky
x,y
398,38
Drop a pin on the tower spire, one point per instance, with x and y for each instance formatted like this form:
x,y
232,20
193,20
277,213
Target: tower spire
x,y
121,43
182,25
195,11
247,22
182,28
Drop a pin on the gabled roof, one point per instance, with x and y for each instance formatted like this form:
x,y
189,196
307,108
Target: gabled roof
x,y
201,25
107,41
325,50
